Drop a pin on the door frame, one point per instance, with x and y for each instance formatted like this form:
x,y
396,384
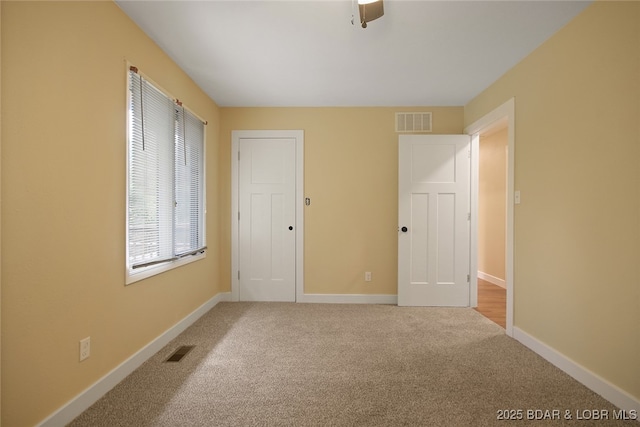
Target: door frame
x,y
505,112
236,136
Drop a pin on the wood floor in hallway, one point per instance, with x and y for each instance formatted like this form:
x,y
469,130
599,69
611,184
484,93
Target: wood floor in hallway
x,y
492,302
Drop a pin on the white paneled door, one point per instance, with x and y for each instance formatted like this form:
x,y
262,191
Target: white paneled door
x,y
267,219
433,229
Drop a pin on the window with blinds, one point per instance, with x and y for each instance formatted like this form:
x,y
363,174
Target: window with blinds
x,y
165,217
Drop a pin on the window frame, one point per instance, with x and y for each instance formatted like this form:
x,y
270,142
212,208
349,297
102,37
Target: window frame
x,y
134,275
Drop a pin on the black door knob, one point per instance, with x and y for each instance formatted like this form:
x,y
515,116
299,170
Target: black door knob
x,y
291,227
404,229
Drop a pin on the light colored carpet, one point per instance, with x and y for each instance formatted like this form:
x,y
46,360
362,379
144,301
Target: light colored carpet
x,y
284,364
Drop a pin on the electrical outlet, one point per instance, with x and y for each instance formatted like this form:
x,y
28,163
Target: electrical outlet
x,y
85,348
367,276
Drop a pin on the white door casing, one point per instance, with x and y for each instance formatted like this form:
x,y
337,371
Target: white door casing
x,y
433,214
505,113
267,237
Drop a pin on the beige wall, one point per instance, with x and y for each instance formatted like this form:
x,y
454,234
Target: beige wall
x,y
577,165
351,176
492,203
63,203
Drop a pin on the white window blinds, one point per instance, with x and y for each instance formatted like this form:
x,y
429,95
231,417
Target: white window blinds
x,y
165,177
189,177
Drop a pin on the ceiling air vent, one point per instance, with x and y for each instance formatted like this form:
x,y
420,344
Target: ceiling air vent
x,y
413,122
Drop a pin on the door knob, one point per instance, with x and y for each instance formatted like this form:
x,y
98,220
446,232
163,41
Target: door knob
x,y
404,229
291,227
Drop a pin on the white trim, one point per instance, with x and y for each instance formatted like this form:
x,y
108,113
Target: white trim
x,y
504,112
592,381
299,214
473,219
146,272
298,135
88,397
235,207
492,279
348,299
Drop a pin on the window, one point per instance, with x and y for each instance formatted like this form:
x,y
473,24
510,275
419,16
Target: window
x,y
165,178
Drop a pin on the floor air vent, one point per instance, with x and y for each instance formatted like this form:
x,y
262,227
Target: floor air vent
x,y
180,353
413,122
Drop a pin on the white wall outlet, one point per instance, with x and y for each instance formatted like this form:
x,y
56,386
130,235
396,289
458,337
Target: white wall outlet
x,y
85,348
367,276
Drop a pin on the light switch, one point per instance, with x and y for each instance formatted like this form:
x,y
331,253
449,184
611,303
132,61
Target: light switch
x,y
516,197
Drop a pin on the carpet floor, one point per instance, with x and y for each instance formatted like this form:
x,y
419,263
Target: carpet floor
x,y
286,364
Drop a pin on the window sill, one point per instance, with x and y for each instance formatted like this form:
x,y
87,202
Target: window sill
x,y
146,272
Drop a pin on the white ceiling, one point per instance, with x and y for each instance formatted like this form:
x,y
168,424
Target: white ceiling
x,y
307,53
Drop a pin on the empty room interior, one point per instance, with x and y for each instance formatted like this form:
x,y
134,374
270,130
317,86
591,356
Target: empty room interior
x,y
551,210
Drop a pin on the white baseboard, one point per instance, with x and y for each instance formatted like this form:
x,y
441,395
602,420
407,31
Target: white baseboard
x,y
599,385
349,299
88,397
492,279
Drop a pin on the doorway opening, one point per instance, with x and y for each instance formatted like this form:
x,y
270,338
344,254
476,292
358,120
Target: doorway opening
x,y
492,203
492,224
